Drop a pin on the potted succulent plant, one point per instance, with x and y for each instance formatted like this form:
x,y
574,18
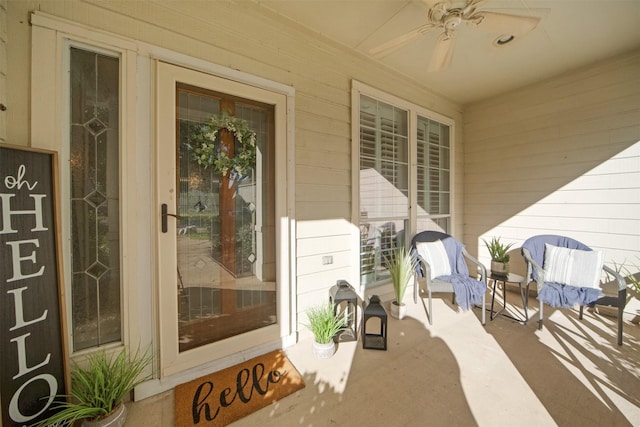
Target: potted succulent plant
x,y
324,323
401,266
499,255
99,389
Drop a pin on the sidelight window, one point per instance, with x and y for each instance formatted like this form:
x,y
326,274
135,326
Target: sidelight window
x,y
95,208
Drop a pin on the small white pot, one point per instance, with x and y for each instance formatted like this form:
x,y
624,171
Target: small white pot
x,y
114,419
324,351
398,311
501,268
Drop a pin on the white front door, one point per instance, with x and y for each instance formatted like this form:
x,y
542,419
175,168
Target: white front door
x,y
222,287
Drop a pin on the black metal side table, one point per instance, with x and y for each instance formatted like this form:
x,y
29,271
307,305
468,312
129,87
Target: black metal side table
x,y
510,278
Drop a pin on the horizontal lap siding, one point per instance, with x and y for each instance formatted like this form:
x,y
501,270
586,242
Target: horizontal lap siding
x,y
247,37
317,239
559,157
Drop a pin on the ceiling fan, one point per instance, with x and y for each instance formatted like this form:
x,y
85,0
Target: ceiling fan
x,y
443,16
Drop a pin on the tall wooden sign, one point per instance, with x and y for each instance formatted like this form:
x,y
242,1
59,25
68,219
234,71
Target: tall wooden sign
x,y
32,333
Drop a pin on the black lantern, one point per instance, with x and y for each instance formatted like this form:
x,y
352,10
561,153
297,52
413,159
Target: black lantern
x,y
343,296
374,325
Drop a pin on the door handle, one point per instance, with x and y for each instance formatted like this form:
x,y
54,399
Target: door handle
x,y
164,214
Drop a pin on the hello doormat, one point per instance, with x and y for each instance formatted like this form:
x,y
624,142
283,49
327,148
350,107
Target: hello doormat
x,y
223,397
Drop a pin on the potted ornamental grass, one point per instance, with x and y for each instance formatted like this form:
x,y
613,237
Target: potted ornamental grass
x,y
632,277
99,388
324,323
401,266
498,252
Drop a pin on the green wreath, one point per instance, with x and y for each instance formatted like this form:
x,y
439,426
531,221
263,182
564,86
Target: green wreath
x,y
208,153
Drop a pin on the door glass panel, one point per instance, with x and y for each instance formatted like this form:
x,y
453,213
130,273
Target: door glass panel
x,y
226,226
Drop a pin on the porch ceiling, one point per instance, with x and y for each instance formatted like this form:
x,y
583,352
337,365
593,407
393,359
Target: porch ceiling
x,y
571,34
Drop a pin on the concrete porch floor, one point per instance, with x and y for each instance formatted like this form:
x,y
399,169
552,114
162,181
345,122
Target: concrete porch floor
x,y
458,373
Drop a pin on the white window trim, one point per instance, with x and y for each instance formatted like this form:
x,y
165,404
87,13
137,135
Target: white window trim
x,y
357,89
51,40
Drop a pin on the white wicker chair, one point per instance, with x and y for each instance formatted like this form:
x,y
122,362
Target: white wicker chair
x,y
533,251
428,286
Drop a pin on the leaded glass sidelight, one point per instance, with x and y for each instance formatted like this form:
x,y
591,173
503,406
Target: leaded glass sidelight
x,y
95,226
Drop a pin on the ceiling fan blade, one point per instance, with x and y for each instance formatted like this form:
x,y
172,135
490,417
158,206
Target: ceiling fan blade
x,y
472,5
443,52
394,44
503,23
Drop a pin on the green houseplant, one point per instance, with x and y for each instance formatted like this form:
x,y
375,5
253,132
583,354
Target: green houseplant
x,y
499,255
401,266
632,278
98,390
324,323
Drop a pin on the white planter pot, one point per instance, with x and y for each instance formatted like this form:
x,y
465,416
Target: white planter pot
x,y
324,351
398,311
114,419
500,268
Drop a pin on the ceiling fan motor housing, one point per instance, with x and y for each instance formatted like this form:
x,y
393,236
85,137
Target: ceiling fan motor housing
x,y
451,21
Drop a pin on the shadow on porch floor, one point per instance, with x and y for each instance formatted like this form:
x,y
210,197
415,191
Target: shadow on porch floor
x,y
456,372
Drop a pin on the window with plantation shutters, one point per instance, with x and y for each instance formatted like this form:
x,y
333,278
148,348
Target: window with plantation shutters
x,y
383,159
394,201
433,172
384,178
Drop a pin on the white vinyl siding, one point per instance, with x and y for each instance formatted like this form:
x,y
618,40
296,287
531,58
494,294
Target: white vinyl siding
x,y
559,157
